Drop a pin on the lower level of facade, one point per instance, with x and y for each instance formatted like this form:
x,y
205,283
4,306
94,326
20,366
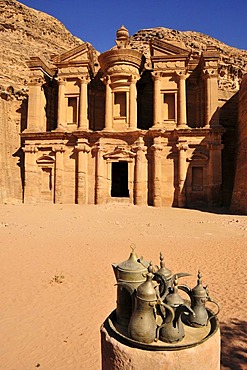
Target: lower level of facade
x,y
180,168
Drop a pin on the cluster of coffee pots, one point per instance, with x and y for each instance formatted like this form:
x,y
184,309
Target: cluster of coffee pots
x,y
149,306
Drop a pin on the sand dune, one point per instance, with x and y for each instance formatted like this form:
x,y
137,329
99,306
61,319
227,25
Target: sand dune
x,y
57,284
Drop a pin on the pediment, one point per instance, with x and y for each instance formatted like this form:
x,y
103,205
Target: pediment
x,y
198,156
164,48
80,54
45,160
120,154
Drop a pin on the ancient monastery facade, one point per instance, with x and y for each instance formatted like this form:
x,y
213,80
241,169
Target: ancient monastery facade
x,y
124,128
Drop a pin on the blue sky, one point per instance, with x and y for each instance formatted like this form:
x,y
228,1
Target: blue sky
x,y
96,21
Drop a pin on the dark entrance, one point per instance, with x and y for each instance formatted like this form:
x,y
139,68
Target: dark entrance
x,y
119,175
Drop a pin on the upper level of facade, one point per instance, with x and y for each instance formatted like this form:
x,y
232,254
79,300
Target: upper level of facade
x,y
118,92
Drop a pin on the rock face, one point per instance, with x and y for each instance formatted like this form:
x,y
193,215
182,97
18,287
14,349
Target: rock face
x,y
25,32
239,198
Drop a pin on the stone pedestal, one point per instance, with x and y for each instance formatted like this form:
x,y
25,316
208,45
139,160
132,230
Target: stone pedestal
x,y
116,355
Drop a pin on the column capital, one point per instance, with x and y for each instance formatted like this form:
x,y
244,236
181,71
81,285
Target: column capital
x,y
58,148
36,81
156,75
84,79
30,149
139,145
106,80
82,147
61,81
209,73
215,146
181,75
182,146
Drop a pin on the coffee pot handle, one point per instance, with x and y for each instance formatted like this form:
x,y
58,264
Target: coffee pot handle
x,y
218,308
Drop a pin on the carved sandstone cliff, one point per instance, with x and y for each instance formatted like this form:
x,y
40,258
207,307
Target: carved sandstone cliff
x,y
239,197
25,32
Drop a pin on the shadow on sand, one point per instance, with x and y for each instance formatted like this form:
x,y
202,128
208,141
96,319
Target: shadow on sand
x,y
234,345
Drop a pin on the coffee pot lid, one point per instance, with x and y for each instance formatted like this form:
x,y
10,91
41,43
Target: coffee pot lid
x,y
174,299
163,269
146,291
132,263
199,290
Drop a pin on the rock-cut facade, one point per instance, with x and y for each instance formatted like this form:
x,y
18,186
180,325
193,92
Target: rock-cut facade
x,y
124,127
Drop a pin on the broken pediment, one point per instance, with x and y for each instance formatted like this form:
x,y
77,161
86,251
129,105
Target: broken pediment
x,y
79,55
198,156
120,154
160,48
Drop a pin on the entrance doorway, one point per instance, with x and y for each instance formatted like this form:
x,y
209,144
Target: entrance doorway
x,y
119,182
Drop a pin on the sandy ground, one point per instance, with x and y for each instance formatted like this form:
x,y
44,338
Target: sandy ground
x,y
57,284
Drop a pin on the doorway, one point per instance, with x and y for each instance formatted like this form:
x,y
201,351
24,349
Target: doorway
x,y
119,182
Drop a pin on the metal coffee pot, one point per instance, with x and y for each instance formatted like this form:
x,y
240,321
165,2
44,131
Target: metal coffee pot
x,y
166,278
199,296
129,275
142,325
172,329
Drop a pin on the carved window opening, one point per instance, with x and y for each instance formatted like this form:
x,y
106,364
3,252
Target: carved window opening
x,y
197,178
46,179
119,104
169,104
72,110
119,179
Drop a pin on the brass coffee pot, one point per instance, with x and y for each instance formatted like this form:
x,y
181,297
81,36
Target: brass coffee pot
x,y
129,275
143,325
199,296
172,329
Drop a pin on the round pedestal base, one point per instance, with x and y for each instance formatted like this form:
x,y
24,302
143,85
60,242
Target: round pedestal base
x,y
120,353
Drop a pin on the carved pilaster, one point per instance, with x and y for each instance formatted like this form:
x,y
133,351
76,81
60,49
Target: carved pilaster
x,y
108,104
214,175
157,99
181,108
182,148
61,108
36,111
82,186
157,149
100,175
83,118
133,103
59,168
31,188
140,180
210,76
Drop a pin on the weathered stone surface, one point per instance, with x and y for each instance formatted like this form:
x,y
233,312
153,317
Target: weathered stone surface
x,y
117,356
239,197
25,32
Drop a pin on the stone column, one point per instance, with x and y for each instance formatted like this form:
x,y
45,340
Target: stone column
x,y
182,173
100,178
157,148
82,157
83,118
58,194
157,100
108,105
31,189
61,112
35,116
140,181
182,114
211,98
133,104
214,175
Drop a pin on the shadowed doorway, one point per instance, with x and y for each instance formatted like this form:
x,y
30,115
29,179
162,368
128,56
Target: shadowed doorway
x,y
119,176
